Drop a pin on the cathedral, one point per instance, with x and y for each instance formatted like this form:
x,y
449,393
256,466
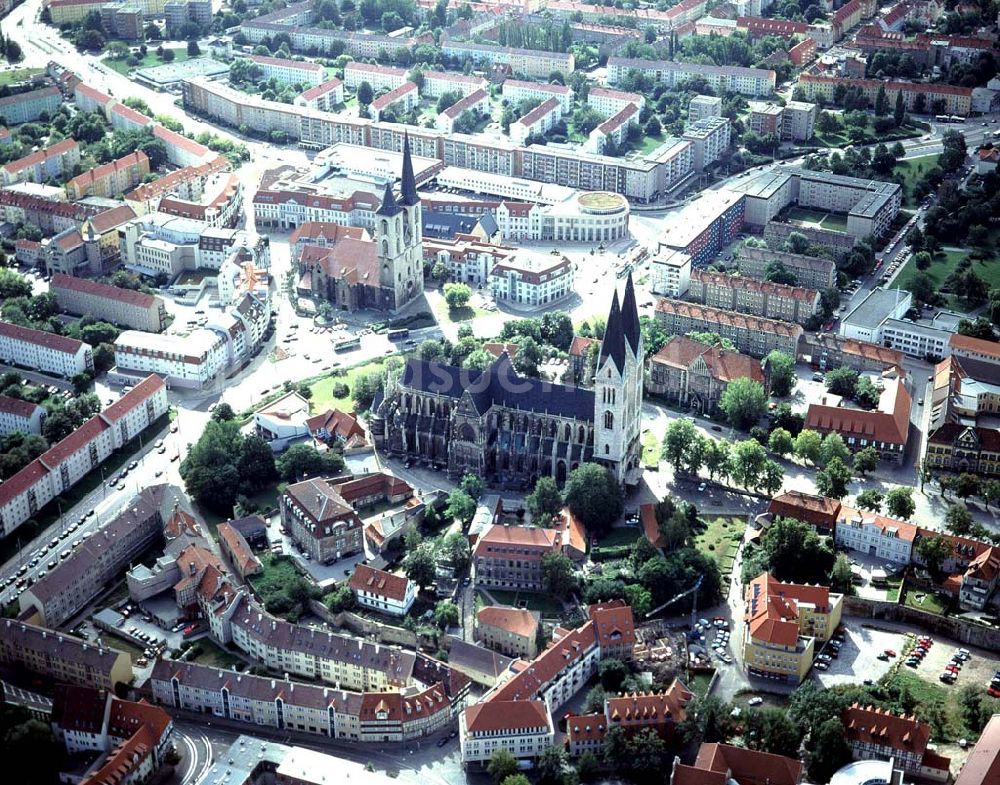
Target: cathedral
x,y
510,429
384,273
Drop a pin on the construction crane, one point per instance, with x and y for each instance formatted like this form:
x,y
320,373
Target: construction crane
x,y
694,606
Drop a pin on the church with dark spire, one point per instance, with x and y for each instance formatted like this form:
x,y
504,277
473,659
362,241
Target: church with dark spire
x,y
509,429
384,272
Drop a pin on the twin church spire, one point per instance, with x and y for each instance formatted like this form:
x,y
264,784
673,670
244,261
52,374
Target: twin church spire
x,y
408,196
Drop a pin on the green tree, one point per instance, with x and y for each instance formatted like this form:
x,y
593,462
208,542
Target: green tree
x,y
455,548
958,520
13,285
934,550
865,461
899,502
965,485
717,459
501,766
544,502
472,484
461,506
550,766
832,479
612,674
558,576
747,460
594,496
457,295
516,779
340,599
446,614
780,367
744,402
770,730
419,566
842,381
870,500
587,767
829,750
679,434
841,577
833,447
304,460
365,94
899,111
808,446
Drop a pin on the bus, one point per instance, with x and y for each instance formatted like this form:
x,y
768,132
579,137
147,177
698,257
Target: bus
x,y
942,118
398,335
347,345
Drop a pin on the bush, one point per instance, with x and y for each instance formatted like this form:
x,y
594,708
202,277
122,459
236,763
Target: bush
x,y
341,390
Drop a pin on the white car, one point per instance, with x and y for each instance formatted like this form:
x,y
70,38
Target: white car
x,y
756,700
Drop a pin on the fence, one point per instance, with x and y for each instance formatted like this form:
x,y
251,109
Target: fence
x,y
952,627
383,633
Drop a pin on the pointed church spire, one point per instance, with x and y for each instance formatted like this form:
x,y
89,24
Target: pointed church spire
x,y
389,206
630,317
613,345
408,191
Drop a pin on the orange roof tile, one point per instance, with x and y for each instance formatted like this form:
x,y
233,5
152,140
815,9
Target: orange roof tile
x,y
518,621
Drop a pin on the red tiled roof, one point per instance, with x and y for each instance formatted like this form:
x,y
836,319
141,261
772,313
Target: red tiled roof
x,y
889,424
772,608
650,526
682,352
965,343
237,546
107,220
547,665
137,396
649,708
540,111
56,343
336,423
982,767
503,715
135,158
586,727
320,89
172,138
379,582
496,349
518,621
370,484
613,623
17,407
103,290
468,102
59,148
580,345
871,725
283,63
748,766
728,318
806,507
743,283
386,99
535,540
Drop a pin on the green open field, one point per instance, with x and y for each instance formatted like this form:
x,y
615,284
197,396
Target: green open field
x,y
925,601
214,655
943,266
939,704
912,170
15,75
150,58
322,391
719,539
545,604
650,449
831,221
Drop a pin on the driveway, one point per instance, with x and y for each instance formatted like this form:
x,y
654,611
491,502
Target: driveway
x,y
858,659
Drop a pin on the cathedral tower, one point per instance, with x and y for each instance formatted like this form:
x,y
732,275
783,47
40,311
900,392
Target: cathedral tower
x,y
618,389
399,236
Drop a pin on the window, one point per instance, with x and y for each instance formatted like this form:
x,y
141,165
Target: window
x,y
609,420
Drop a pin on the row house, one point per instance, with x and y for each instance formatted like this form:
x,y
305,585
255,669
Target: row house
x,y
811,272
537,122
437,83
62,658
288,209
879,734
751,82
43,351
759,298
49,163
20,416
610,102
113,304
110,180
532,63
295,72
477,102
29,106
752,335
92,566
379,77
918,97
400,101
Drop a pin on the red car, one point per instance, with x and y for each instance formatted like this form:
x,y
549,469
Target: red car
x,y
189,629
993,692
951,667
890,652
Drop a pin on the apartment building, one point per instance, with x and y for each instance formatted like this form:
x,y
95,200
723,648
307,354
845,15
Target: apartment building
x,y
186,183
923,341
28,107
288,209
659,712
533,63
67,462
510,557
191,361
752,82
670,273
399,101
610,102
517,90
19,416
709,138
321,520
43,351
702,106
379,77
294,72
782,624
62,658
537,122
96,562
237,550
820,512
511,631
875,535
324,97
917,96
811,272
113,304
695,376
532,279
437,83
382,591
765,119
879,734
477,102
523,728
798,122
748,295
752,335
49,163
110,180
468,259
613,131
833,351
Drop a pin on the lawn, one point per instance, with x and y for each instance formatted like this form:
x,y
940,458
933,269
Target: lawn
x,y
150,59
279,572
214,656
806,215
620,535
834,222
545,604
925,601
649,144
938,704
650,449
720,539
892,587
463,314
322,390
912,170
19,75
698,683
941,268
831,140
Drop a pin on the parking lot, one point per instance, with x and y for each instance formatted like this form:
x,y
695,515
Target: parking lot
x,y
978,670
858,660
